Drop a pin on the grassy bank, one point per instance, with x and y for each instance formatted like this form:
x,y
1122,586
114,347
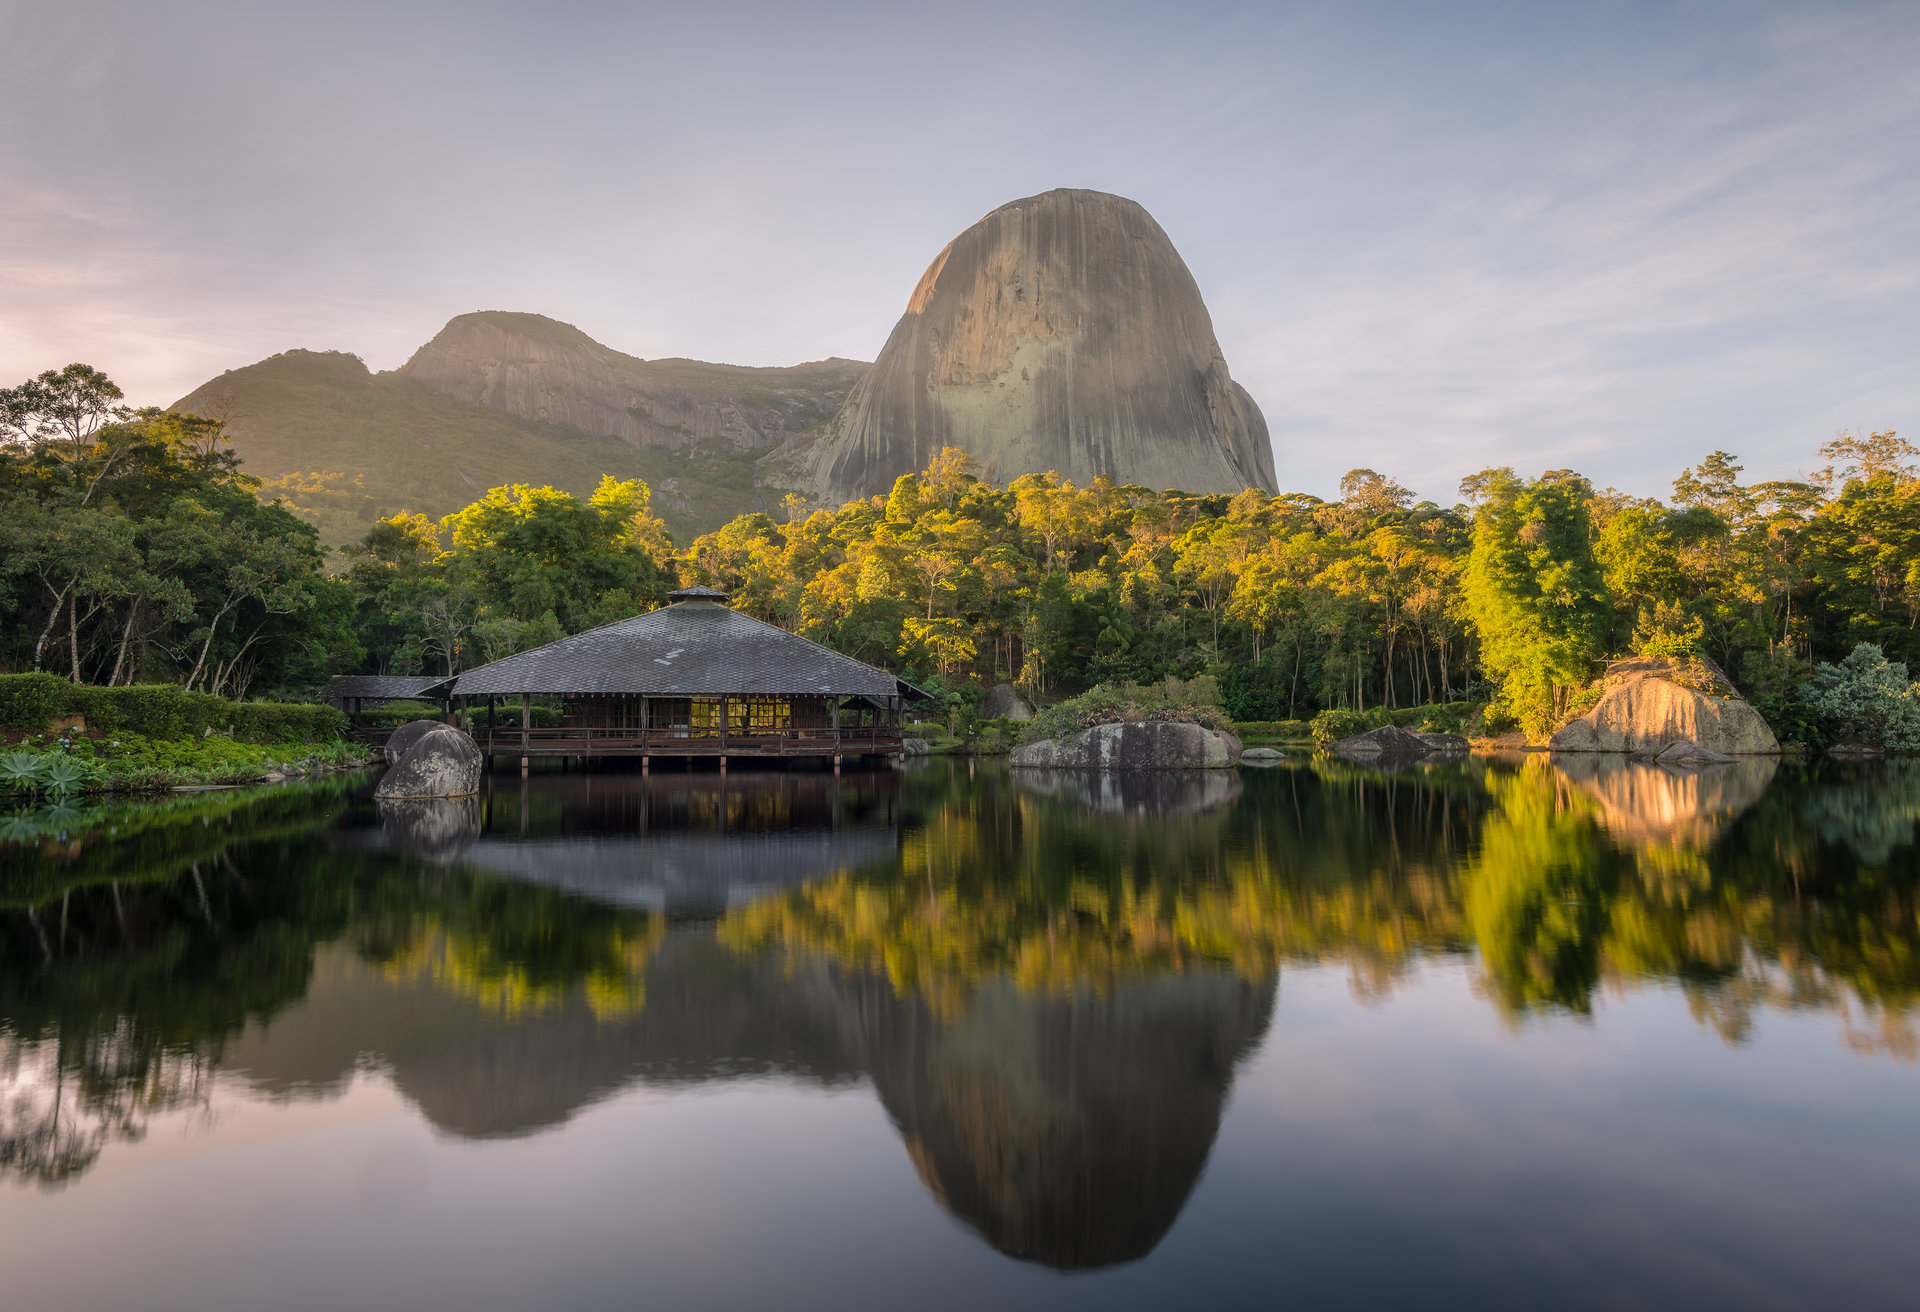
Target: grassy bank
x,y
58,738
73,762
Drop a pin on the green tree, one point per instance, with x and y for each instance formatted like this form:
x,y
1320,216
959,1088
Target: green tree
x,y
1535,592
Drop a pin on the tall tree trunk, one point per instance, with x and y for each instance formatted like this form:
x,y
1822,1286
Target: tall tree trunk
x,y
212,628
53,618
73,633
126,639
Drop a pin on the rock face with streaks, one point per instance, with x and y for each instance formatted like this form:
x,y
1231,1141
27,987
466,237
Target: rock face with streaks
x,y
442,762
1649,703
1061,332
538,368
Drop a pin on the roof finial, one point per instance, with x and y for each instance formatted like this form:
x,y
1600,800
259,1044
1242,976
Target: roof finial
x,y
698,592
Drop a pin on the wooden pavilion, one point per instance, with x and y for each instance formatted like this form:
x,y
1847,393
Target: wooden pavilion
x,y
695,678
354,694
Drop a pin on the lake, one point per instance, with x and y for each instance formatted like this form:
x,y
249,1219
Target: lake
x,y
1517,1032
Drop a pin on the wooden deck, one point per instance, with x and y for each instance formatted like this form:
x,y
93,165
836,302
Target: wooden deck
x,y
589,744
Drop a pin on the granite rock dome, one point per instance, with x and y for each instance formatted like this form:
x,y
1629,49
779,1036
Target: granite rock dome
x,y
1060,332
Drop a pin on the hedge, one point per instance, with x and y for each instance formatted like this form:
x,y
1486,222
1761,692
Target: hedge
x,y
1280,730
157,710
286,722
162,710
28,701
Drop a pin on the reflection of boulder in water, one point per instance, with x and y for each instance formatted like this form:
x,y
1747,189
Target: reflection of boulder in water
x,y
1642,803
437,829
1157,792
1068,1130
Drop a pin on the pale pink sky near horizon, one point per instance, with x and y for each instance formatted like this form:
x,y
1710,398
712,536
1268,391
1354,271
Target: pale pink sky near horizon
x,y
1432,239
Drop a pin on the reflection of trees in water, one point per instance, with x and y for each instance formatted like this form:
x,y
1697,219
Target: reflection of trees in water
x,y
1771,914
1565,881
1057,893
1003,915
1870,809
473,962
119,998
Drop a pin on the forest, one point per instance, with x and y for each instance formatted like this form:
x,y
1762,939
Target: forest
x,y
138,549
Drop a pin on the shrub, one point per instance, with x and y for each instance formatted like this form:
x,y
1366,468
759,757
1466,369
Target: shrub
x,y
286,722
1256,691
1272,730
1195,701
1867,697
28,701
1772,677
158,710
1337,722
395,714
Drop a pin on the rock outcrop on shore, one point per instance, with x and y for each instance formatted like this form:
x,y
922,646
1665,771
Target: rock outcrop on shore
x,y
1060,332
1399,744
1650,703
1133,745
441,762
1002,702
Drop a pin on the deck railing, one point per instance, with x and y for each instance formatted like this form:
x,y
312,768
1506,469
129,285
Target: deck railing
x,y
581,740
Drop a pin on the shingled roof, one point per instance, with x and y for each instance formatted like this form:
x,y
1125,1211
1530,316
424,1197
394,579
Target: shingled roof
x,y
694,648
342,688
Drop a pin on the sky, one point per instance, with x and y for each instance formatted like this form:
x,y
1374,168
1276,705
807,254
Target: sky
x,y
1433,237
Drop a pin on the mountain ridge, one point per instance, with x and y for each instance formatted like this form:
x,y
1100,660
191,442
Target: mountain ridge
x,y
1060,332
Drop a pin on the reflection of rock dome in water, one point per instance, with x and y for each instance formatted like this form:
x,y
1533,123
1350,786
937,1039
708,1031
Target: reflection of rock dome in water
x,y
1067,1130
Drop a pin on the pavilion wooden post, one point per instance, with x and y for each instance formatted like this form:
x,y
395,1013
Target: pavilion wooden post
x,y
646,728
526,716
835,704
724,699
489,728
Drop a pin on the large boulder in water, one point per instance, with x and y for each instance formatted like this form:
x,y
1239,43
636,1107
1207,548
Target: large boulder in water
x,y
407,735
1649,703
1134,745
1003,703
1061,332
441,763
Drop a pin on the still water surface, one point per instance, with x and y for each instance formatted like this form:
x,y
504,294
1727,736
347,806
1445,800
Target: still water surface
x,y
1505,1034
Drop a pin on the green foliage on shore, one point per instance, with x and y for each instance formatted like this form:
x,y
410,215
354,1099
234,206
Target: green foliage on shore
x,y
137,551
1192,701
147,556
164,710
63,764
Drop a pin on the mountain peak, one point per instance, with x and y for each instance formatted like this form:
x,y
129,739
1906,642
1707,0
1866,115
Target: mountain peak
x,y
1062,331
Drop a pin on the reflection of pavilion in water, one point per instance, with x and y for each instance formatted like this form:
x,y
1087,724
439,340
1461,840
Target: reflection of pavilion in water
x,y
680,844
